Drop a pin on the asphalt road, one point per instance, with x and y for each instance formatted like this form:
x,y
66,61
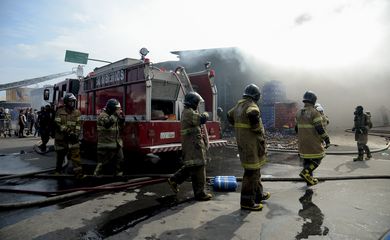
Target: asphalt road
x,y
337,209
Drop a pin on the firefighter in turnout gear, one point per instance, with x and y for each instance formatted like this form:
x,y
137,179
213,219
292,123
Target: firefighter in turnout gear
x,y
325,119
311,136
194,148
109,148
67,132
362,123
250,136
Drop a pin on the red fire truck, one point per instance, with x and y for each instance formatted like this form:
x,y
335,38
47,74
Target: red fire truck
x,y
151,99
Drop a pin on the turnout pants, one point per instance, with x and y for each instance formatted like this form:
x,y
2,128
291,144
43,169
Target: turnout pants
x,y
73,154
311,164
110,161
252,189
198,178
362,140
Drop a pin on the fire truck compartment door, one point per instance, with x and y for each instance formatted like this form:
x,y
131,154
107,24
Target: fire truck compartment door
x,y
165,86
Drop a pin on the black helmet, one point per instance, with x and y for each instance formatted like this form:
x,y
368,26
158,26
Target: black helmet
x,y
252,91
309,97
192,100
112,105
70,100
359,110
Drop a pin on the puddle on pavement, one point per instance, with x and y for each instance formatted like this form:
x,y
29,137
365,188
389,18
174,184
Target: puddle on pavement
x,y
130,220
312,216
91,235
16,163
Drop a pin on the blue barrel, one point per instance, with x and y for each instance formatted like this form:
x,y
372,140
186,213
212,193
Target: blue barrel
x,y
225,183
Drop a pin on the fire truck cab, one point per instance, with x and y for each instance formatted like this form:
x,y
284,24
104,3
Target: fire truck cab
x,y
151,100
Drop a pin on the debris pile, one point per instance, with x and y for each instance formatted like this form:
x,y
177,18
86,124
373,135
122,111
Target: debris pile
x,y
282,140
285,139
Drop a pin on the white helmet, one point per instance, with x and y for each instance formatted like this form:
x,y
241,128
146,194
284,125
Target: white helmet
x,y
6,110
318,107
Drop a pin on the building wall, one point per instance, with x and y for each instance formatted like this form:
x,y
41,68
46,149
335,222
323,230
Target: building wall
x,y
18,95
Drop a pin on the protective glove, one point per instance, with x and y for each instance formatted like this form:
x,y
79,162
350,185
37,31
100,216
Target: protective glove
x,y
204,117
353,129
121,118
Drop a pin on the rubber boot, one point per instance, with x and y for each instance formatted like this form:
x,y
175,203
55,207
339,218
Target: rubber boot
x,y
98,169
305,174
174,186
264,196
369,156
204,197
254,207
78,172
359,158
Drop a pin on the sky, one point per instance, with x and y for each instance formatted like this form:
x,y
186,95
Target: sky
x,y
337,48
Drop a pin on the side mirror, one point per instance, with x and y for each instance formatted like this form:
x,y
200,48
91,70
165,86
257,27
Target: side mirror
x,y
46,94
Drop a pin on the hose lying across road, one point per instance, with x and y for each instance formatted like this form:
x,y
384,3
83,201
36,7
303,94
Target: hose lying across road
x,y
10,176
140,180
72,193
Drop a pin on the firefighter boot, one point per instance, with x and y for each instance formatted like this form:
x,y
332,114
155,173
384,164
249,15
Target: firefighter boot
x,y
264,196
305,174
204,197
78,172
254,207
359,158
174,186
369,156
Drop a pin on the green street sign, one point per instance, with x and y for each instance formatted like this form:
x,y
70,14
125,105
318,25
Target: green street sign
x,y
76,57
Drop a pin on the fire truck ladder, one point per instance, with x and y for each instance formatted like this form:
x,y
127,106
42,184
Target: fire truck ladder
x,y
184,80
31,81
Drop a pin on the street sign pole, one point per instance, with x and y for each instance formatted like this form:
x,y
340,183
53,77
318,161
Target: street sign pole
x,y
80,57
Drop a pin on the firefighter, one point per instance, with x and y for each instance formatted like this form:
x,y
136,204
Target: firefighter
x,y
362,123
194,148
67,132
320,109
311,136
109,148
250,136
45,126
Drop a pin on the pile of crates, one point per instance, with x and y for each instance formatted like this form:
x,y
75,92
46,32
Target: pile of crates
x,y
276,111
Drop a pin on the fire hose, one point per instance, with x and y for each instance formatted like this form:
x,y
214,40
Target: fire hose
x,y
72,193
139,182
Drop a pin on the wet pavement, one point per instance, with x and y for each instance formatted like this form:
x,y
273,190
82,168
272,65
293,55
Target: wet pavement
x,y
345,209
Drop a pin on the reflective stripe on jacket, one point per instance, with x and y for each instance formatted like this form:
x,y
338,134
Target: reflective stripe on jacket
x,y
309,141
250,138
193,145
108,129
